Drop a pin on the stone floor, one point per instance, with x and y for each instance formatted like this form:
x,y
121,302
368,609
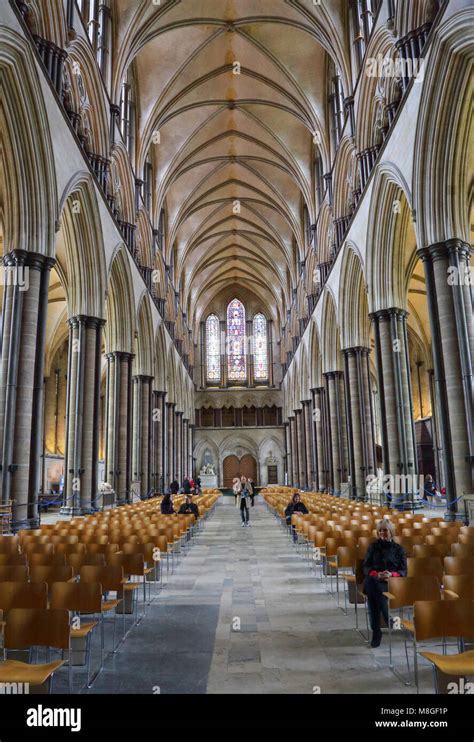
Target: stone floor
x,y
244,613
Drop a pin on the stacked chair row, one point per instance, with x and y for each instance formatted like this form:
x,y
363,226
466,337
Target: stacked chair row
x,y
435,601
59,584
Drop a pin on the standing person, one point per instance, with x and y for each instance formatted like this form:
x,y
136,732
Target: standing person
x,y
198,485
186,486
252,491
237,489
174,486
244,504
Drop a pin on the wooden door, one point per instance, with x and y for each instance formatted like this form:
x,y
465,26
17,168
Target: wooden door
x,y
248,467
231,470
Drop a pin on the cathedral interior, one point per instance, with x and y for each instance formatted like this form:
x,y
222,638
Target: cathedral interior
x,y
236,239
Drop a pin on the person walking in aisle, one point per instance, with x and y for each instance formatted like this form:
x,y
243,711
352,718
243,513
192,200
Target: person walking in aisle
x,y
244,503
237,489
252,491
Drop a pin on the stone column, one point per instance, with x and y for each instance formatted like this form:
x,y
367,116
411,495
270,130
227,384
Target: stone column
x,y
395,396
191,450
186,471
82,415
288,465
157,441
250,353
25,307
360,419
179,446
142,386
164,437
170,441
299,424
294,452
308,429
337,427
118,469
450,305
318,438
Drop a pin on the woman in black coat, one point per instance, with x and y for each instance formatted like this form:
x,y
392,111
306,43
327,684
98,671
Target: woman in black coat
x,y
384,559
167,505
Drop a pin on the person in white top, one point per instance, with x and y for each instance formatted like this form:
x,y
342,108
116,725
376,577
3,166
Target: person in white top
x,y
237,489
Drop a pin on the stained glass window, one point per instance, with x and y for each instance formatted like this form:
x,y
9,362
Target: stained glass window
x,y
213,351
236,357
260,347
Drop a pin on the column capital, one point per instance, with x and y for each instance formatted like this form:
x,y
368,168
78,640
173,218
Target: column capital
x,y
306,402
34,260
317,389
83,319
442,250
357,350
119,355
298,412
171,404
333,374
386,314
141,377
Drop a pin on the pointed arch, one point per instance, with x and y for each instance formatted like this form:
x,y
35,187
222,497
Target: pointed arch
x,y
121,319
389,224
353,301
144,359
331,342
27,162
80,248
443,166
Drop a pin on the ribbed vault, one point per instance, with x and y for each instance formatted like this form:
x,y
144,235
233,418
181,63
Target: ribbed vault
x,y
229,95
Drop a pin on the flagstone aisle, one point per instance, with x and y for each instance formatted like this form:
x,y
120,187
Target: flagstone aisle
x,y
243,613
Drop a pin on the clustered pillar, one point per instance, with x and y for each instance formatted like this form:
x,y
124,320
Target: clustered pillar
x,y
82,415
118,410
25,302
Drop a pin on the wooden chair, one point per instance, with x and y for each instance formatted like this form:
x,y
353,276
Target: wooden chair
x,y
402,594
459,586
12,560
23,595
431,550
111,578
419,567
436,619
27,628
51,574
46,560
462,550
459,566
17,573
81,598
77,561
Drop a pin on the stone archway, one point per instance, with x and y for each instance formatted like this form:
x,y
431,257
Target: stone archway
x,y
235,467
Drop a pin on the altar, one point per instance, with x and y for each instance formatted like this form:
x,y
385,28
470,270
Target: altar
x,y
208,477
208,481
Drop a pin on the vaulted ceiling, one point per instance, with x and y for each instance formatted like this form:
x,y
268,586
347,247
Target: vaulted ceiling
x,y
229,95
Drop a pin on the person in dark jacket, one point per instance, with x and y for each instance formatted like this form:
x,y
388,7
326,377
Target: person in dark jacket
x,y
167,505
295,506
189,507
384,559
252,492
186,486
174,487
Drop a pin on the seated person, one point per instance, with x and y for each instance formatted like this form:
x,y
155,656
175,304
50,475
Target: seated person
x,y
384,559
167,505
189,507
295,506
